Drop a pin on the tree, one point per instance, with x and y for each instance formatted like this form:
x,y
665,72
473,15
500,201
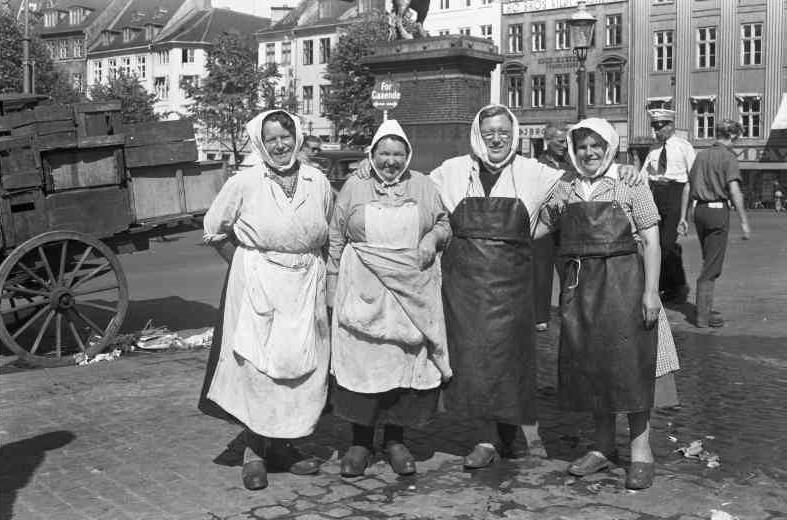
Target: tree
x,y
47,80
348,104
136,104
235,89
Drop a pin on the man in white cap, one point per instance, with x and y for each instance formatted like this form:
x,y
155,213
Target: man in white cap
x,y
667,166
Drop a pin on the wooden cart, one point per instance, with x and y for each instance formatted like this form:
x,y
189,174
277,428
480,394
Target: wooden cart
x,y
76,189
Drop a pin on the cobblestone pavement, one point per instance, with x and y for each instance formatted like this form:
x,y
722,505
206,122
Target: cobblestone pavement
x,y
124,440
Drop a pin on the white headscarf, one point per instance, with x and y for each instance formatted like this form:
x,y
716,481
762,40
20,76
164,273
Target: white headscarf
x,y
389,128
607,132
478,144
254,128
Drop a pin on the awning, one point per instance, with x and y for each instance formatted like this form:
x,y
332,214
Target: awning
x,y
700,98
752,165
663,99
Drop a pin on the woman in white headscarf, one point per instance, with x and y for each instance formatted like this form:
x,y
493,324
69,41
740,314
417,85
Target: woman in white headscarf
x,y
609,302
388,336
272,367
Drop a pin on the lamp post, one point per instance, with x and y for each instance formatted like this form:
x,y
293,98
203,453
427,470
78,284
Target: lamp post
x,y
582,25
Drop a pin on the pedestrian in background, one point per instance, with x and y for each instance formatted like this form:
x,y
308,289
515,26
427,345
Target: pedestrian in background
x,y
311,147
609,301
389,353
271,371
715,181
667,165
778,197
544,248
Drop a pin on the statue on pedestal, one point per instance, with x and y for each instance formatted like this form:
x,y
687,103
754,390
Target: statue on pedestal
x,y
399,14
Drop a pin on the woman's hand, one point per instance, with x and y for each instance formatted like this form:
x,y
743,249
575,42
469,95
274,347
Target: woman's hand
x,y
632,176
427,250
651,305
683,227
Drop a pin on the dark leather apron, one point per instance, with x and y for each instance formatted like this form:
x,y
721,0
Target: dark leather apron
x,y
488,303
607,359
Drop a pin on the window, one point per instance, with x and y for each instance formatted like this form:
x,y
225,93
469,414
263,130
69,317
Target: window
x,y
612,87
62,49
308,99
706,47
704,116
270,53
128,34
142,67
324,91
562,90
50,18
515,91
187,56
443,32
750,116
112,66
189,81
125,65
662,50
78,47
538,89
751,44
161,87
614,31
445,4
465,31
98,71
562,35
591,84
515,38
308,52
77,81
286,53
75,16
162,57
486,31
538,37
50,48
325,50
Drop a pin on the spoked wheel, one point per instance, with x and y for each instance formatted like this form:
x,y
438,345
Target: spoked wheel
x,y
62,293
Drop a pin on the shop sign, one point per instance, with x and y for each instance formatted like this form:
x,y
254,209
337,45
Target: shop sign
x,y
531,131
529,6
386,94
559,62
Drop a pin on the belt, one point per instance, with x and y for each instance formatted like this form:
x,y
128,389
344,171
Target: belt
x,y
718,204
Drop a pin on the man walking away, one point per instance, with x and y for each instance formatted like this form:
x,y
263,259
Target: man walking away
x,y
667,166
715,181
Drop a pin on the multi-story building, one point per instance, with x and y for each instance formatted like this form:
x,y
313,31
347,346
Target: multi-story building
x,y
539,68
68,28
710,60
164,44
479,18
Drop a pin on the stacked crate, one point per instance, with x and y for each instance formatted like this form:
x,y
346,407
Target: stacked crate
x,y
166,179
22,212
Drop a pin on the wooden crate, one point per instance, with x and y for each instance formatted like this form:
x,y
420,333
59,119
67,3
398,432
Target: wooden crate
x,y
202,184
160,142
66,169
20,165
100,212
22,216
158,190
103,118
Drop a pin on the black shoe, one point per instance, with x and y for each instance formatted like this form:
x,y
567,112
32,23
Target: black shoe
x,y
284,456
355,461
402,461
481,457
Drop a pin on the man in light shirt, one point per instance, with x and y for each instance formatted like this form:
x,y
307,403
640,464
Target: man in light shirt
x,y
667,166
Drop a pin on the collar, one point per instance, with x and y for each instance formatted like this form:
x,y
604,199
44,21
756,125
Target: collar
x,y
306,173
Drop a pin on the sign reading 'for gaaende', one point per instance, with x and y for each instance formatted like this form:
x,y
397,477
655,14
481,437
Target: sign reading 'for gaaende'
x,y
386,94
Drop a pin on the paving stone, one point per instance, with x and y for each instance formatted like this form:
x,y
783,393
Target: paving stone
x,y
271,512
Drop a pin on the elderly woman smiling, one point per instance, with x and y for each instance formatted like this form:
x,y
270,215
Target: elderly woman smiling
x,y
272,365
388,336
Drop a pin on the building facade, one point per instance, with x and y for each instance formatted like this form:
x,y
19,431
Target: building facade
x,y
539,80
710,60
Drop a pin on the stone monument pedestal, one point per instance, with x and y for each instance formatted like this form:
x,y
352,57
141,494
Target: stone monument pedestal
x,y
443,81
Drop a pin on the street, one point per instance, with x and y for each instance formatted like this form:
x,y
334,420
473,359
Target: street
x,y
124,439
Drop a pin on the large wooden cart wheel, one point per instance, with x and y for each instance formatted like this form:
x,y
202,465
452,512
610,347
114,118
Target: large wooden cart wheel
x,y
63,293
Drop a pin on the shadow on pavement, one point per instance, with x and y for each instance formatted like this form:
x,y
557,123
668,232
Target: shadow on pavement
x,y
173,312
19,461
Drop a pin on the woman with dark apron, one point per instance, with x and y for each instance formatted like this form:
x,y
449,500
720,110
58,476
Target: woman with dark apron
x,y
609,301
488,285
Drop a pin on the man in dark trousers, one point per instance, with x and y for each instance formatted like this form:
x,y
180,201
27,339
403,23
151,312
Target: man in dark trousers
x,y
714,181
667,166
554,155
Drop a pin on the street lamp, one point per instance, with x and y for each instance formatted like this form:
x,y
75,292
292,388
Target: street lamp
x,y
582,25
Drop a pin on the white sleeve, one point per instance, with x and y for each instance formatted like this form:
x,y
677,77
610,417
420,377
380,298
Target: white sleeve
x,y
223,212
